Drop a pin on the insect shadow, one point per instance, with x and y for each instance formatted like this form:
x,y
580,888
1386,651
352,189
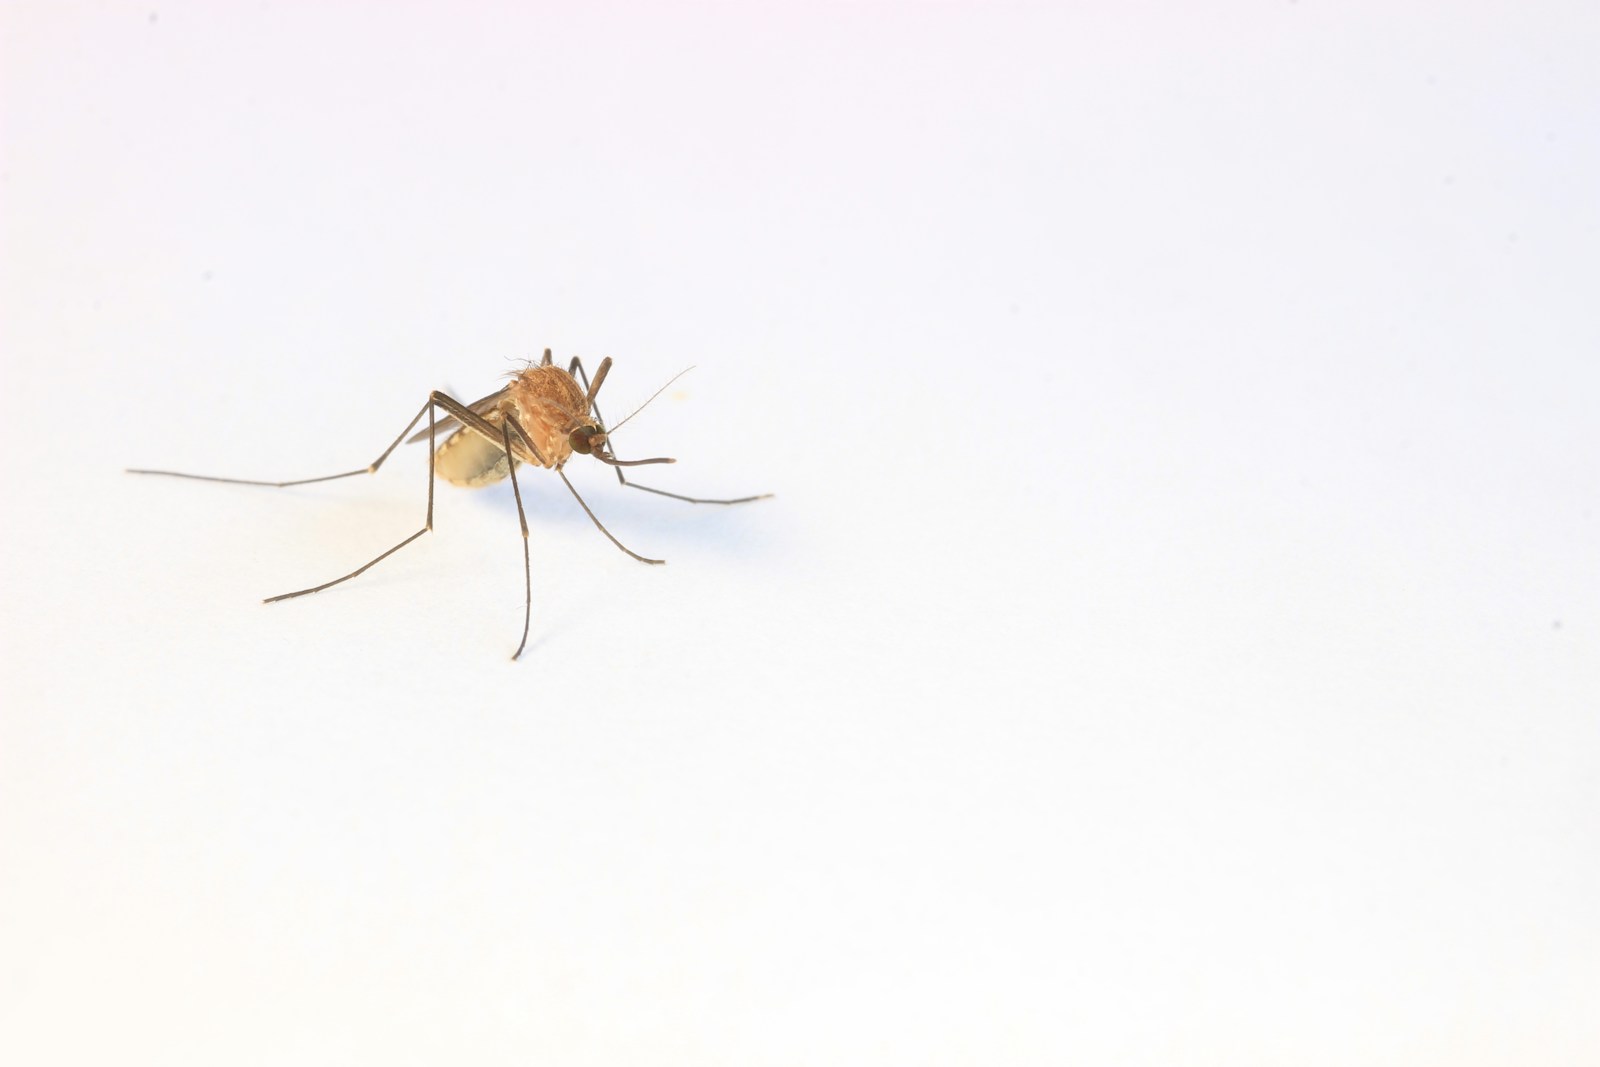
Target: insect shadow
x,y
541,418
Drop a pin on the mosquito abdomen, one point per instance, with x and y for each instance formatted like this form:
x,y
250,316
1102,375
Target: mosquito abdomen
x,y
467,459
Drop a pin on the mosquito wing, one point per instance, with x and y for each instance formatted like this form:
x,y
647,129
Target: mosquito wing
x,y
446,424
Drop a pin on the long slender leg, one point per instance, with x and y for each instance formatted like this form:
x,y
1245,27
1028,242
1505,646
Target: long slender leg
x,y
600,420
511,421
527,566
370,468
577,368
426,526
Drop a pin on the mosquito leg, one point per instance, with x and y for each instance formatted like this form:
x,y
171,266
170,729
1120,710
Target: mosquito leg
x,y
511,421
594,405
599,421
370,468
527,567
426,526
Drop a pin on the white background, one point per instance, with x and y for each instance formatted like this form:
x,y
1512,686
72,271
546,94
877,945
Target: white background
x,y
1175,639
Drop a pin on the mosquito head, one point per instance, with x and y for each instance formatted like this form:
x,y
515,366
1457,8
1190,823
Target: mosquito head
x,y
587,440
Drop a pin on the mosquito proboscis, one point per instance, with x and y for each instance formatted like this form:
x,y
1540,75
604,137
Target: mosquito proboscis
x,y
540,418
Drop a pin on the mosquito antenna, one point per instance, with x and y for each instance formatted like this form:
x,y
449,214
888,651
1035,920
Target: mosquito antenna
x,y
613,429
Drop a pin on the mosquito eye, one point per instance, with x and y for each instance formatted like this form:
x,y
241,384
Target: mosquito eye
x,y
579,440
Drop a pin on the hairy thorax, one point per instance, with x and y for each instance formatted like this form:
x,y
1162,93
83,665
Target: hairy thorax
x,y
550,405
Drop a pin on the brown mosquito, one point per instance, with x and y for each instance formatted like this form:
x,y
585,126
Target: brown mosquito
x,y
541,417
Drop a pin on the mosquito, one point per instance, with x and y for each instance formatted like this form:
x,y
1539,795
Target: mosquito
x,y
541,417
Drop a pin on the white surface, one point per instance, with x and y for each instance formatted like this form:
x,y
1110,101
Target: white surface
x,y
1176,638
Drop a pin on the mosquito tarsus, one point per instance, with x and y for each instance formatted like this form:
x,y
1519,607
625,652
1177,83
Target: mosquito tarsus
x,y
542,416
